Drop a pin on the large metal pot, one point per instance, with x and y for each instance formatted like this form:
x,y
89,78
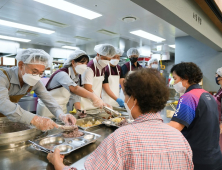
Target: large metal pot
x,y
13,133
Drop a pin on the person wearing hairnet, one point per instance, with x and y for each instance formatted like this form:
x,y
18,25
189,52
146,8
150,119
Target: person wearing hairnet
x,y
63,84
16,82
113,74
153,63
133,55
218,98
93,77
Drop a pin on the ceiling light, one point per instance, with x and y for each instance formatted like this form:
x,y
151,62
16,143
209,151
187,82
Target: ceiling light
x,y
172,46
71,8
27,33
147,35
14,38
82,38
25,27
70,47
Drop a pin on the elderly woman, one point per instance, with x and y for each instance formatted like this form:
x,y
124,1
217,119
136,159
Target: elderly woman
x,y
17,81
63,84
218,98
196,117
147,143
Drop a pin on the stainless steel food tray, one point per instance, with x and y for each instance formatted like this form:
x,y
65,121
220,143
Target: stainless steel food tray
x,y
85,120
65,145
110,122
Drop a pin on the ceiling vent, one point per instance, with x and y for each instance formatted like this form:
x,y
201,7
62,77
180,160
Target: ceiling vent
x,y
129,19
54,23
83,38
110,33
64,42
27,33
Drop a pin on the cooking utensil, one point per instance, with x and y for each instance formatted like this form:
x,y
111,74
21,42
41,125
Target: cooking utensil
x,y
113,112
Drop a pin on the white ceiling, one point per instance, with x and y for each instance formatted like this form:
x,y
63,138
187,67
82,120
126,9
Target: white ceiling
x,y
29,12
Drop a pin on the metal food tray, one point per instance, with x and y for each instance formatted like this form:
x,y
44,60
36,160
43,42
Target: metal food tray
x,y
85,120
65,145
110,122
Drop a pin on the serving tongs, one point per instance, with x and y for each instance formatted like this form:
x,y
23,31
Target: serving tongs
x,y
111,111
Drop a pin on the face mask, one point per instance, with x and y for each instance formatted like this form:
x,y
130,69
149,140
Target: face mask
x,y
179,87
103,63
155,66
81,68
30,79
133,59
129,110
114,62
217,81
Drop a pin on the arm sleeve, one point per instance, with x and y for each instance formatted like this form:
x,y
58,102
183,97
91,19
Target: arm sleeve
x,y
106,76
87,76
12,111
185,112
124,71
47,99
63,79
109,152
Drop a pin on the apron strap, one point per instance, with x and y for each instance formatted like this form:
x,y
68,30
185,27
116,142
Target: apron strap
x,y
117,70
96,69
7,77
29,89
109,69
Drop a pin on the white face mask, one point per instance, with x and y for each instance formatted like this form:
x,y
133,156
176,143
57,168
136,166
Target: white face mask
x,y
155,66
81,68
114,62
103,63
129,110
30,79
179,87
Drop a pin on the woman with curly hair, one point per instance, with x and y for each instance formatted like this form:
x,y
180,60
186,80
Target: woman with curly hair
x,y
147,143
196,117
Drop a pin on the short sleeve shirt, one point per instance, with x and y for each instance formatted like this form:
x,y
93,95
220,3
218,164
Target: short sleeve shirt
x,y
114,71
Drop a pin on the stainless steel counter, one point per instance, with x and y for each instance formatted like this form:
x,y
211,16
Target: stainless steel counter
x,y
27,158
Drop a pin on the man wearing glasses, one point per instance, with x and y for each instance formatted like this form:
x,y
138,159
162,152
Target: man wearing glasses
x,y
16,82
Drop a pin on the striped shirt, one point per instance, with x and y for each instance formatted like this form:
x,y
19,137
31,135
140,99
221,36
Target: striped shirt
x,y
147,143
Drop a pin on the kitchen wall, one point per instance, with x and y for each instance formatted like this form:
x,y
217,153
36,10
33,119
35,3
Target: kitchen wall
x,y
189,49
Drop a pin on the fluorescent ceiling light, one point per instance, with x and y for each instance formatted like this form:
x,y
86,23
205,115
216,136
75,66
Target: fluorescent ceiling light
x,y
25,27
71,8
147,35
172,46
70,47
14,38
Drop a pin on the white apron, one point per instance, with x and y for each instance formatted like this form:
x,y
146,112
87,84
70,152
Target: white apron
x,y
61,96
114,86
86,104
121,96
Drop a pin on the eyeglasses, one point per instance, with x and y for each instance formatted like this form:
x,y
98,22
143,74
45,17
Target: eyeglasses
x,y
35,73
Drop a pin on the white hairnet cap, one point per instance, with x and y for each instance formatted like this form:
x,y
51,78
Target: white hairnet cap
x,y
76,54
119,51
34,56
133,51
105,50
152,60
219,71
